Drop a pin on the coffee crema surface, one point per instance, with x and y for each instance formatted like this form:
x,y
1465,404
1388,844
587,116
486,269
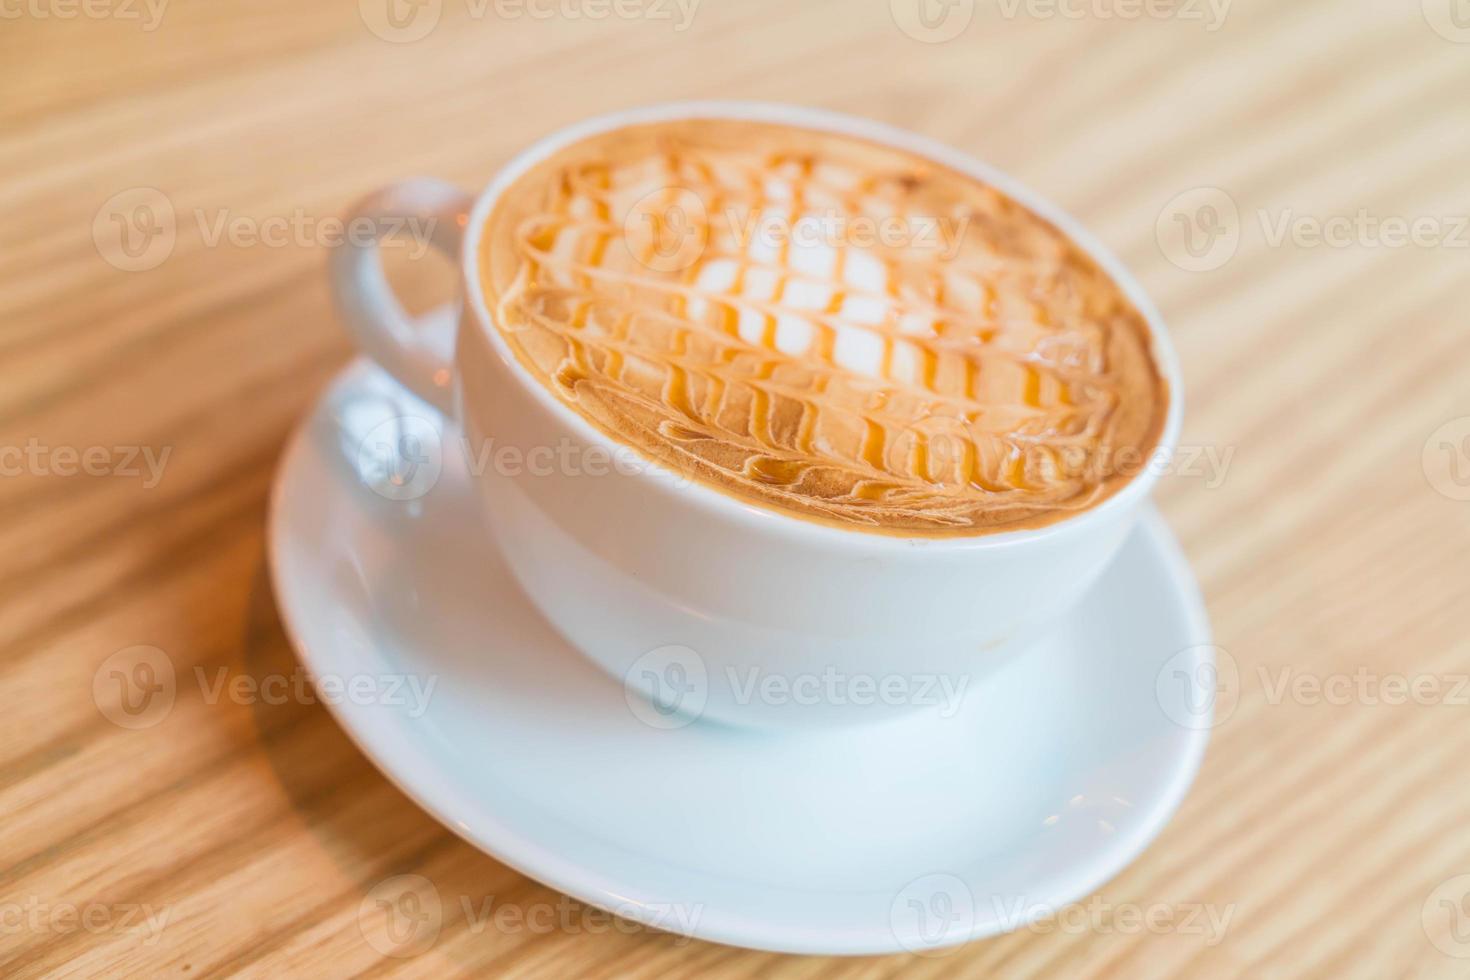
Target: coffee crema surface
x,y
825,326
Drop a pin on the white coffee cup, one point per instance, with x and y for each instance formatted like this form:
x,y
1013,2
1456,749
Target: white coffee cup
x,y
707,605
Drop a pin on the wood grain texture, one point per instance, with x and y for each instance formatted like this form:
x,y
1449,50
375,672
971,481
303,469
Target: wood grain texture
x,y
1332,547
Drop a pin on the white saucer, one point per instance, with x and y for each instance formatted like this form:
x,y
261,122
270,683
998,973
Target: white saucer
x,y
918,834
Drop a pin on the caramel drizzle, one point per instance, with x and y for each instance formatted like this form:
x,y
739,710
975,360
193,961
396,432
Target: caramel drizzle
x,y
996,454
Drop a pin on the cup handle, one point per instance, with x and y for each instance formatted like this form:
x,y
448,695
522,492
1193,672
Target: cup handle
x,y
424,207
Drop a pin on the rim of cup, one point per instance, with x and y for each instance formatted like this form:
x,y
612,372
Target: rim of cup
x,y
767,520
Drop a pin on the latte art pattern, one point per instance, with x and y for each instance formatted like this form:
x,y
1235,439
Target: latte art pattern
x,y
824,326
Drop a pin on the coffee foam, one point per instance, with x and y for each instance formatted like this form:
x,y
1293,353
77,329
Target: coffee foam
x,y
822,325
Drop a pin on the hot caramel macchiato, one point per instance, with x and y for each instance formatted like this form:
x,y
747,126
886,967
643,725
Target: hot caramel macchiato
x,y
832,328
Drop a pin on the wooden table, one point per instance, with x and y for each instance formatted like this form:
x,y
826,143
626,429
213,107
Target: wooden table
x,y
1316,151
